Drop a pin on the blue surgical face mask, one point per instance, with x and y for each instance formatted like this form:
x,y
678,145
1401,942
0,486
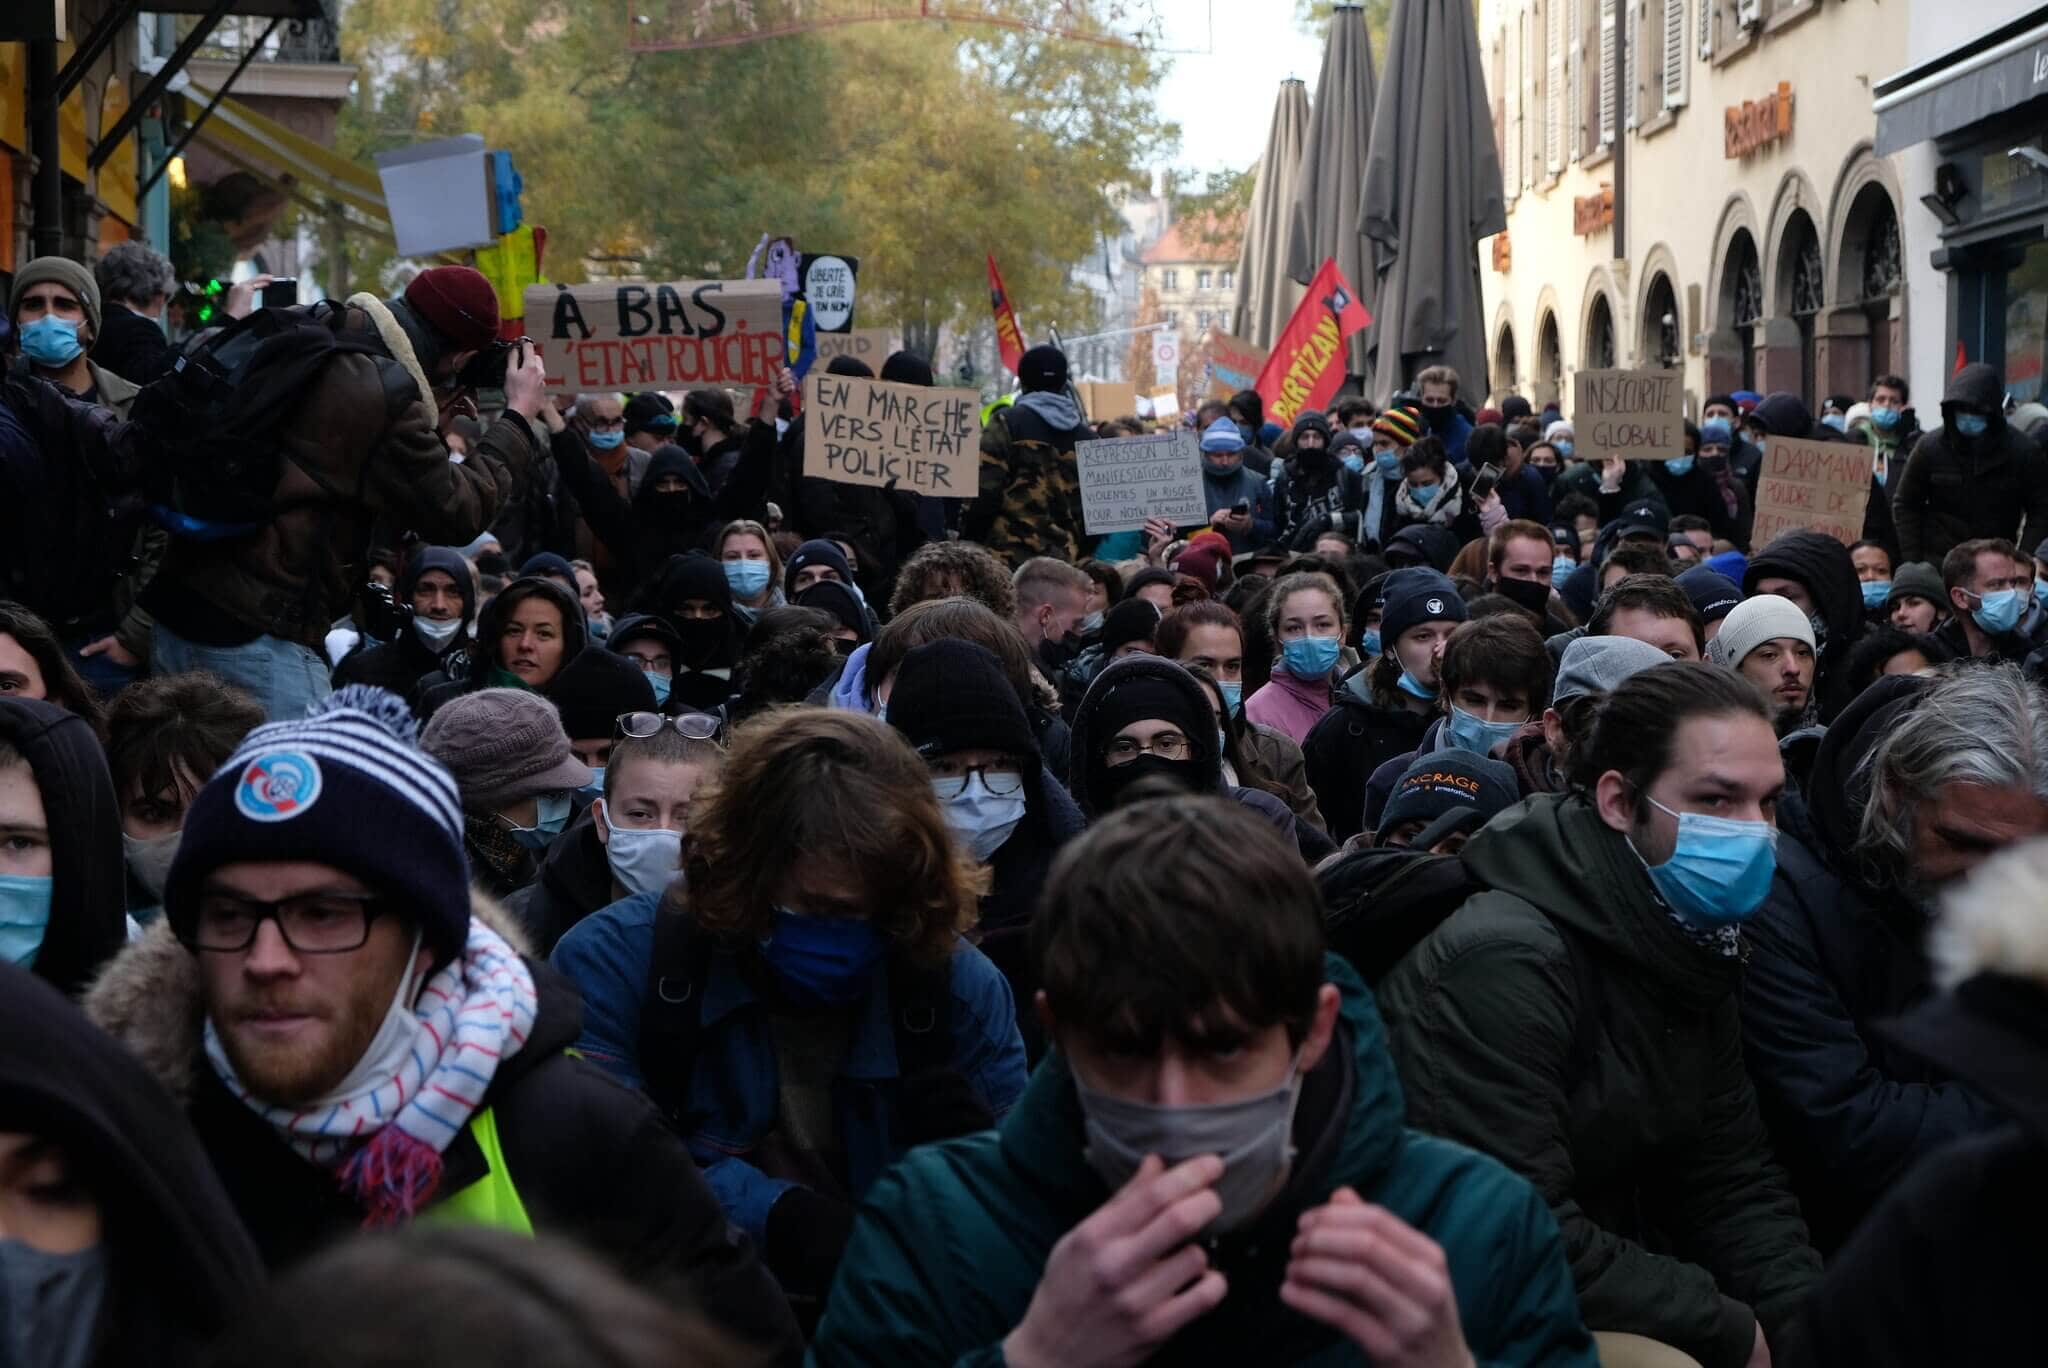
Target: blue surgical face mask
x,y
1310,657
1884,419
1563,447
1561,569
1720,869
982,819
51,341
642,859
607,441
52,1306
1354,463
1424,495
1090,623
1998,612
1409,684
662,684
595,788
1837,421
1233,694
2041,592
1369,643
1679,465
1876,593
1387,463
746,578
1972,424
829,961
24,917
1475,733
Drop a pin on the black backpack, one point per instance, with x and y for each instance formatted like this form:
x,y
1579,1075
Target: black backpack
x,y
209,427
1380,902
672,1024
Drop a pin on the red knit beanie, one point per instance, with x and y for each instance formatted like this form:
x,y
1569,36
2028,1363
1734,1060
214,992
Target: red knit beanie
x,y
458,303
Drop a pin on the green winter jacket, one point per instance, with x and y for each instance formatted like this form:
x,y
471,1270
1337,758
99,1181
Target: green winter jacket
x,y
1677,1219
950,1243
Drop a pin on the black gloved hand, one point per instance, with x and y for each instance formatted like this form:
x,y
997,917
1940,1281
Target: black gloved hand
x,y
806,1235
939,1104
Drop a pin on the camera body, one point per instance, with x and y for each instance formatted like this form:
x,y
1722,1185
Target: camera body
x,y
486,370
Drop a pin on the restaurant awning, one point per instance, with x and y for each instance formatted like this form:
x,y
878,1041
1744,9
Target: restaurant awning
x,y
1988,75
313,175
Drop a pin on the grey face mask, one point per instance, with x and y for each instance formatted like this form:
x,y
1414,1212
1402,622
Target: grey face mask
x,y
50,1306
1254,1137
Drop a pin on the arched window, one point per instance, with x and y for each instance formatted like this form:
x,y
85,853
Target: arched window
x,y
1661,344
1802,290
1600,335
1742,300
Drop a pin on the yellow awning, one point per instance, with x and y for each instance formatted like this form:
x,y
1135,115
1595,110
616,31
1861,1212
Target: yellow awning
x,y
268,149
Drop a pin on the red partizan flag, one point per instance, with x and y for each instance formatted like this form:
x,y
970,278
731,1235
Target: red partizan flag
x,y
1962,357
1008,339
1307,362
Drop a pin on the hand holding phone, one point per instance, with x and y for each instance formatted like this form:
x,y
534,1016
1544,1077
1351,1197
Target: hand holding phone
x,y
1484,483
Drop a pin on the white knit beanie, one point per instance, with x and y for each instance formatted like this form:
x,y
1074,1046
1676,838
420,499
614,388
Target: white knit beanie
x,y
1754,621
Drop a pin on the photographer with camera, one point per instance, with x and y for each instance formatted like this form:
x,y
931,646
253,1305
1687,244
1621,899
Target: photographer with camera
x,y
296,432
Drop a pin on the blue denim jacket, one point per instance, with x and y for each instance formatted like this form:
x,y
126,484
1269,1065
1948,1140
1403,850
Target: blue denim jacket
x,y
734,1097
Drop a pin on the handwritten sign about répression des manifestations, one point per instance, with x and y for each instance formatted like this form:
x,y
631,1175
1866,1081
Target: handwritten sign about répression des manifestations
x,y
655,335
1638,415
1822,486
870,432
1126,480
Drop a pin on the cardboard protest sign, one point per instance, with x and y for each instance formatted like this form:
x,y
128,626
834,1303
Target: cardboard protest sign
x,y
1166,404
649,335
910,437
1822,486
1103,400
871,345
828,283
1125,480
1234,364
1638,415
1307,363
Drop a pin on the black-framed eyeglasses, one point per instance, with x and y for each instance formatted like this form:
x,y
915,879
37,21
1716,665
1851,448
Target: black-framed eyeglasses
x,y
1001,779
311,924
1169,745
641,725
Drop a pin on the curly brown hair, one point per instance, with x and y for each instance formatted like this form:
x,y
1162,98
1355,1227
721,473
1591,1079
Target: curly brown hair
x,y
811,784
941,569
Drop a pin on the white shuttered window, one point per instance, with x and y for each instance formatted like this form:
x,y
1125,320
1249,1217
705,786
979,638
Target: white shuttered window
x,y
1553,86
1511,154
1677,66
1610,76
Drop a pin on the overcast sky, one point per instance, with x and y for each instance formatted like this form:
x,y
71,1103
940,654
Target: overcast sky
x,y
1223,99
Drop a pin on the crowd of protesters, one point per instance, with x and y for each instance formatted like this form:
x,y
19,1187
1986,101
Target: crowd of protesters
x,y
566,883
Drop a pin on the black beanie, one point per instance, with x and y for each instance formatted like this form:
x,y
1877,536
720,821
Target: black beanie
x,y
1134,619
1136,699
952,695
594,688
816,551
849,365
907,368
1044,367
695,576
832,597
1414,596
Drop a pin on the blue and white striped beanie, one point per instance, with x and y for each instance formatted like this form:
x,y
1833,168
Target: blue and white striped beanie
x,y
346,786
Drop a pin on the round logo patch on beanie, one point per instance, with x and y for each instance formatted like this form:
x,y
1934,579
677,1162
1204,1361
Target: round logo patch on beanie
x,y
277,786
1435,605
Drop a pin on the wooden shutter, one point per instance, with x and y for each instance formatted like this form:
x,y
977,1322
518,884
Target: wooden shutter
x,y
1553,86
1575,96
1677,67
1610,76
1511,154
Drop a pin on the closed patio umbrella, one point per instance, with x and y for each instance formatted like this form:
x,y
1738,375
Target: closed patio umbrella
x,y
1266,296
1333,161
1432,191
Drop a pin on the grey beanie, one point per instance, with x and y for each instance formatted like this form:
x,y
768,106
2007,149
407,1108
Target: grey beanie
x,y
1918,579
66,272
1598,664
1765,617
503,745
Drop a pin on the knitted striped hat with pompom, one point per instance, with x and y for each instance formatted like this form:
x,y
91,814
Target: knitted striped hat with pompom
x,y
347,786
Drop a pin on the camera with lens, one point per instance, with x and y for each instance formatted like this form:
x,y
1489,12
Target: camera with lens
x,y
486,370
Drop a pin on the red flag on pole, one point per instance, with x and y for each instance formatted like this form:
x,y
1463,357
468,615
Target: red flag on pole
x,y
1962,357
1307,362
1008,339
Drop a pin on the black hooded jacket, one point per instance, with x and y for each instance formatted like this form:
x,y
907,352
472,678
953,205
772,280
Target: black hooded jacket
x,y
709,647
575,881
1350,741
1201,772
1822,564
88,895
1833,952
402,664
1956,488
1784,414
643,534
181,1266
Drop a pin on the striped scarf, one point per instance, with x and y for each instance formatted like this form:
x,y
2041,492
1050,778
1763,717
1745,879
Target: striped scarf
x,y
384,1129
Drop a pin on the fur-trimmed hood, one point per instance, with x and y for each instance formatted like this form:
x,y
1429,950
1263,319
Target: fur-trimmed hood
x,y
1995,922
395,339
147,997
